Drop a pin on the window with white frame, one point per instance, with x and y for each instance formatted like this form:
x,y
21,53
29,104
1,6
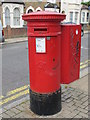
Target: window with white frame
x,y
30,10
7,16
16,17
83,16
76,17
71,16
87,17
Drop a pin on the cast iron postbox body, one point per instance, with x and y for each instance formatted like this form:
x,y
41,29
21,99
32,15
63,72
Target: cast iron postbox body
x,y
44,43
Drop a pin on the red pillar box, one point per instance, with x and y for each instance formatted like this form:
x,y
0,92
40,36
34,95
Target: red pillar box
x,y
70,47
44,42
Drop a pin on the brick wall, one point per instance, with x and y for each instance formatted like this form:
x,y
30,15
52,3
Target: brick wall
x,y
35,5
15,32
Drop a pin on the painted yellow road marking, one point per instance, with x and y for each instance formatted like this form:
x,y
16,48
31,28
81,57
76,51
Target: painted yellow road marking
x,y
86,62
14,97
83,66
81,63
17,90
1,97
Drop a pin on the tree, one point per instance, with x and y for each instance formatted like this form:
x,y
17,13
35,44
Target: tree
x,y
86,3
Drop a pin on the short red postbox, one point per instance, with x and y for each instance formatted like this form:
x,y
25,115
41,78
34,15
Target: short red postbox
x,y
70,47
44,43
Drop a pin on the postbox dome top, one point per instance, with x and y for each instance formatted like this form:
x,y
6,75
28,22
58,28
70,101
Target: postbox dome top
x,y
44,15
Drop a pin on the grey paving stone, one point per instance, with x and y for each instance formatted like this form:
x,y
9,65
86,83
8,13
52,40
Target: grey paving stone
x,y
67,116
64,90
4,115
13,104
80,105
86,108
84,99
82,96
0,116
20,108
71,104
19,116
10,113
71,89
16,111
85,103
77,116
82,110
65,112
76,112
24,105
28,103
0,111
83,115
63,99
67,96
69,100
78,101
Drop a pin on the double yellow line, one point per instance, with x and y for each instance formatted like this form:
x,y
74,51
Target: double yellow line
x,y
84,64
14,94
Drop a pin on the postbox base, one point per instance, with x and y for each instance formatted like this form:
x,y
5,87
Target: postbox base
x,y
45,104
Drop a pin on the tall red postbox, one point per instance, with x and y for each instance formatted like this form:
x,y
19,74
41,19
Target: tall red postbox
x,y
71,48
44,43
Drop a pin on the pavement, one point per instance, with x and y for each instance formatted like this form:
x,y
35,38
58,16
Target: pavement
x,y
14,40
74,103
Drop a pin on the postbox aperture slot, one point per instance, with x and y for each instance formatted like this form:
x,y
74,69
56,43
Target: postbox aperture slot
x,y
40,29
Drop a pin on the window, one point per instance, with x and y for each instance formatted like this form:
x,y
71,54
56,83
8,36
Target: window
x,y
38,9
16,17
87,17
83,17
7,16
71,16
30,10
76,17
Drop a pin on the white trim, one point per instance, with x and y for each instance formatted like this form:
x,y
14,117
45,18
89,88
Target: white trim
x,y
11,8
17,27
38,8
30,7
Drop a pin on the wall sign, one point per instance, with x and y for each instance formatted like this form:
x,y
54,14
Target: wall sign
x,y
40,45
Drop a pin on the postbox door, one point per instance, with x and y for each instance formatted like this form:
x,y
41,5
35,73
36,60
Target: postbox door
x,y
45,66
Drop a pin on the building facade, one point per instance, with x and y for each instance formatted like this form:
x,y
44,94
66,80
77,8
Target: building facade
x,y
85,15
12,12
72,9
0,9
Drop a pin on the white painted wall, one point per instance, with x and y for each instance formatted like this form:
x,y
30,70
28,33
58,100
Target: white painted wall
x,y
71,6
52,9
85,19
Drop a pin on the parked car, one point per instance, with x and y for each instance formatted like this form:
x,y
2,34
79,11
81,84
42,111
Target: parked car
x,y
1,32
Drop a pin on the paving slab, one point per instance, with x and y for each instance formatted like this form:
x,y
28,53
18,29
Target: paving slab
x,y
74,103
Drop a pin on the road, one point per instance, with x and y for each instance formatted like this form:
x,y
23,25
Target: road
x,y
85,47
15,75
14,66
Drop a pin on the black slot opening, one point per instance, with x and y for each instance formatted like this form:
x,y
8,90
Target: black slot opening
x,y
40,29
